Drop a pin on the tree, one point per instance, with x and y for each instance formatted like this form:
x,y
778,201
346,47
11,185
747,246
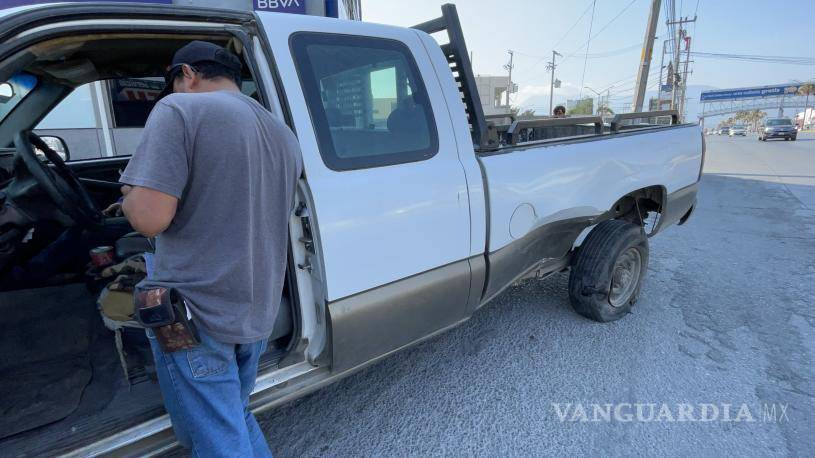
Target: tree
x,y
604,110
806,89
583,107
747,117
756,117
526,114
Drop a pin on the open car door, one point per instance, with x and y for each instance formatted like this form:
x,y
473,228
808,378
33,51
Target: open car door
x,y
40,33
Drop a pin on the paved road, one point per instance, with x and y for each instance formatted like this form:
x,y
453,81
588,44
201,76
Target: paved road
x,y
726,316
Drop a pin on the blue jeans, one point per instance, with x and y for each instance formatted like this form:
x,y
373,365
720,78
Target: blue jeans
x,y
206,392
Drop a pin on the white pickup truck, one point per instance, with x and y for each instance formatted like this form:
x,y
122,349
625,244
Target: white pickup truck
x,y
412,213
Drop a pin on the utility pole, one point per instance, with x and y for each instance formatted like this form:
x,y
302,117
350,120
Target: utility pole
x,y
781,107
608,100
551,66
681,34
661,67
685,76
509,68
645,58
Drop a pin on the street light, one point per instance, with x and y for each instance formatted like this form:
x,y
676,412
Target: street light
x,y
600,96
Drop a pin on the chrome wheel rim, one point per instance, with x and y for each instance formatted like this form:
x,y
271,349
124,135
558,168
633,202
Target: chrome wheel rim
x,y
624,277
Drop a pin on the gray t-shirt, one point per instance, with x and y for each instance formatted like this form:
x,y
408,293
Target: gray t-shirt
x,y
233,166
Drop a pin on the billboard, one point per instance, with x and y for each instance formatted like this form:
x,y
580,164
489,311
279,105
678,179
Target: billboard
x,y
748,92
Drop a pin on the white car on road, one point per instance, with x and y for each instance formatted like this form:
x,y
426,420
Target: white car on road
x,y
738,130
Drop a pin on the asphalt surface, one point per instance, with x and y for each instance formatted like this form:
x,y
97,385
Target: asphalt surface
x,y
726,316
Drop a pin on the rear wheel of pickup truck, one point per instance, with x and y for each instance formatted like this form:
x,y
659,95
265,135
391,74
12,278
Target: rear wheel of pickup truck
x,y
608,271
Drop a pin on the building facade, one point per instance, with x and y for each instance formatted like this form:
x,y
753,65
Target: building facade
x,y
493,92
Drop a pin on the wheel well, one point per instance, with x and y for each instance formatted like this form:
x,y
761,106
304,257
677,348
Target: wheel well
x,y
636,205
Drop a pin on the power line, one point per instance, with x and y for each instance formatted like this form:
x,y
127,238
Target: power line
x,y
586,59
791,60
590,5
601,30
615,52
542,58
595,55
591,37
627,78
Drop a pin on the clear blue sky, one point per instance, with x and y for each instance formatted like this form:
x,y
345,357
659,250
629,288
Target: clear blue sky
x,y
533,27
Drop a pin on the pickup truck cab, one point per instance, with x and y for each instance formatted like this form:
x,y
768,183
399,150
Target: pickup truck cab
x,y
412,213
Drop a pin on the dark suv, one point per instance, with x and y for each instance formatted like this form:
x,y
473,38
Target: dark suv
x,y
778,128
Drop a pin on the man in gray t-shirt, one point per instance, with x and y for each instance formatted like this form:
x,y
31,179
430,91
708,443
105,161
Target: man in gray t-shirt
x,y
213,179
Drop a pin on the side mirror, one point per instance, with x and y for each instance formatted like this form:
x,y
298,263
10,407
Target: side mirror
x,y
57,144
6,92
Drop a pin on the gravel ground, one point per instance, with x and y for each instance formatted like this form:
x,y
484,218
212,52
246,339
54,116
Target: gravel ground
x,y
726,317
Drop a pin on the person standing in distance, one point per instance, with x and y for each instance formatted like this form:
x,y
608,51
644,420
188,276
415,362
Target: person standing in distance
x,y
213,179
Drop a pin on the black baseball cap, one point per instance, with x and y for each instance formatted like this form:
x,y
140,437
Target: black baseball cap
x,y
193,53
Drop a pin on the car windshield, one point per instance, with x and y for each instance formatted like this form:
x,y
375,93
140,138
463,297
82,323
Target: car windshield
x,y
779,122
13,91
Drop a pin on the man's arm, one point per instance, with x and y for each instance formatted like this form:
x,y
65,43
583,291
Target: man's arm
x,y
157,173
150,212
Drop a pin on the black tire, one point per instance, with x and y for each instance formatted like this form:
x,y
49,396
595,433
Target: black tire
x,y
590,281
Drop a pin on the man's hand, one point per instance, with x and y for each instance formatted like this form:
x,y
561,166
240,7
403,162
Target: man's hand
x,y
115,209
150,212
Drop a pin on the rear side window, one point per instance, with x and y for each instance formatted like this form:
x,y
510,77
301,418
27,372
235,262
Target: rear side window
x,y
367,101
132,99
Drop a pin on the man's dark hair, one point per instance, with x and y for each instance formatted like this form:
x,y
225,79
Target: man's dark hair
x,y
559,108
211,70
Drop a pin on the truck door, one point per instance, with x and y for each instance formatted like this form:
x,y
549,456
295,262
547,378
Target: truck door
x,y
390,210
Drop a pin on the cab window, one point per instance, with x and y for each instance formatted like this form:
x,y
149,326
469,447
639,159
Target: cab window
x,y
367,101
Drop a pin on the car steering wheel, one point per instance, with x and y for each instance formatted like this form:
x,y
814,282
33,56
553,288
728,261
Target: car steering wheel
x,y
59,182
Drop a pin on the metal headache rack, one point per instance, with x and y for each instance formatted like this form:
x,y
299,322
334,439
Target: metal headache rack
x,y
490,133
456,53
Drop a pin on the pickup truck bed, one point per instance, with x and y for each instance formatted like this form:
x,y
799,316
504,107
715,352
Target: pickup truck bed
x,y
569,186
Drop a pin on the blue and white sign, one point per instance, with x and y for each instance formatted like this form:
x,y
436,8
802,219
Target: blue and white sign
x,y
749,92
281,6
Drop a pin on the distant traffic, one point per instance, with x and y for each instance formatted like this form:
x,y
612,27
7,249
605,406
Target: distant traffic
x,y
769,129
